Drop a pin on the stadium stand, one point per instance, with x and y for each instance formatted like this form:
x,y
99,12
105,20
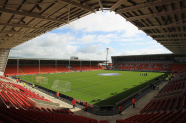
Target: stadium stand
x,y
167,106
151,66
30,69
96,67
86,67
61,68
16,108
101,67
76,67
158,117
166,67
179,67
16,95
47,69
12,70
4,77
29,116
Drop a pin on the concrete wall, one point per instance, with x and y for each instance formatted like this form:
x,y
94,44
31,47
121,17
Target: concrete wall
x,y
4,53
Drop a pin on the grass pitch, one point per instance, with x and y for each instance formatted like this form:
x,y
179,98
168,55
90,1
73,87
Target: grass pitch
x,y
100,90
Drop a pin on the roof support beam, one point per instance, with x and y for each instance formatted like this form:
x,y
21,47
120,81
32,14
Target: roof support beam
x,y
31,15
116,5
21,33
101,5
168,33
164,26
176,11
171,38
88,8
23,26
168,42
175,44
146,5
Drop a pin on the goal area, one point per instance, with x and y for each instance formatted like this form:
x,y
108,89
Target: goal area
x,y
61,85
41,80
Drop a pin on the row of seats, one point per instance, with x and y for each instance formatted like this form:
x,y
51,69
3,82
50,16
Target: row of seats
x,y
4,77
15,95
30,69
33,69
17,109
48,69
158,117
61,68
179,67
173,87
176,84
141,66
62,111
12,70
152,66
164,104
86,67
33,116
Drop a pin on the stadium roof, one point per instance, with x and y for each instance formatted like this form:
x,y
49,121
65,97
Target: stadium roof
x,y
23,20
31,61
170,54
54,59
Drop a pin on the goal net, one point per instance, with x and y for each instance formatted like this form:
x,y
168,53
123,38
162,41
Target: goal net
x,y
61,85
41,80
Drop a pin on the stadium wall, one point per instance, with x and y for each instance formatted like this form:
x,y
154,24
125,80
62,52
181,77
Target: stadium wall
x,y
4,53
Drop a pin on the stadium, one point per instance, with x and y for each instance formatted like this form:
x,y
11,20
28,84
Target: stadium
x,y
130,89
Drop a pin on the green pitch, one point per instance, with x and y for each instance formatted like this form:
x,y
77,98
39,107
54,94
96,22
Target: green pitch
x,y
100,90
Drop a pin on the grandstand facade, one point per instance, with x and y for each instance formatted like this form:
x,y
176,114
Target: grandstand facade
x,y
27,66
153,62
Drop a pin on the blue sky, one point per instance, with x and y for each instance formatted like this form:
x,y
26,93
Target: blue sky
x,y
88,38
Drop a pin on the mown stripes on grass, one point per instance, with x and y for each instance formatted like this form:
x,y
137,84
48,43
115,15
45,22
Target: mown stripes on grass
x,y
89,87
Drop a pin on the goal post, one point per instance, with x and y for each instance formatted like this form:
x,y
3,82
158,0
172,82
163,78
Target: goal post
x,y
61,85
41,80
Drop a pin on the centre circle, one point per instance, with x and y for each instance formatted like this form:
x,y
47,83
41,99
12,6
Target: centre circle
x,y
109,74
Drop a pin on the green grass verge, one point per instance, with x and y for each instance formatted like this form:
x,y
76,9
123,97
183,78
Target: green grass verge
x,y
100,90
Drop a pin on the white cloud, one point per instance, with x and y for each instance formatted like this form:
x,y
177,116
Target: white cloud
x,y
50,45
105,22
88,38
90,48
145,51
131,43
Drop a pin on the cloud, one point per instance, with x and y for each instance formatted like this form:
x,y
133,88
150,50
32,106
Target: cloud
x,y
104,22
88,38
89,48
50,45
131,44
53,45
145,51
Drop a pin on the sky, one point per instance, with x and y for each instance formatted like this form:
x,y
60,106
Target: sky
x,y
88,38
